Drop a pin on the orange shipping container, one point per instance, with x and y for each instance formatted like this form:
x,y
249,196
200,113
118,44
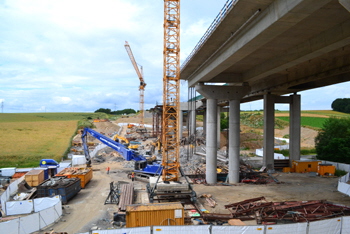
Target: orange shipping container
x,y
286,169
305,166
84,174
34,177
326,169
159,214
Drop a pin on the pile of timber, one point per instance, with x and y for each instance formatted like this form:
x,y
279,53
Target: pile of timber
x,y
126,196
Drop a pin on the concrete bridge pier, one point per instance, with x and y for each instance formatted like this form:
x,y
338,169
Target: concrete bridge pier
x,y
269,127
218,132
181,119
269,131
214,93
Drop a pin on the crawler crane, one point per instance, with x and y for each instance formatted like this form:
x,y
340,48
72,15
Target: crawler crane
x,y
142,84
172,184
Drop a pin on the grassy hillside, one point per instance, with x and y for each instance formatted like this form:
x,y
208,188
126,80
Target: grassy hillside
x,y
313,119
28,137
313,122
38,117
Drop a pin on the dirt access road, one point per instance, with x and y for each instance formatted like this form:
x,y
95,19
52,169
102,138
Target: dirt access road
x,y
87,211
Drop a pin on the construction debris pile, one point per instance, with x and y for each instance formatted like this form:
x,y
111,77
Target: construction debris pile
x,y
195,168
265,212
55,182
73,171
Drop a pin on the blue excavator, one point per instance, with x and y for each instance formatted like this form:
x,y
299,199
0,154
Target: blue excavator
x,y
143,164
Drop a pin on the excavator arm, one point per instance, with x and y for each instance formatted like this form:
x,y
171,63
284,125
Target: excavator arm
x,y
141,163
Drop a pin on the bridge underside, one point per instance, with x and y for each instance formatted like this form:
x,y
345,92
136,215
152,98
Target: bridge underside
x,y
263,49
277,47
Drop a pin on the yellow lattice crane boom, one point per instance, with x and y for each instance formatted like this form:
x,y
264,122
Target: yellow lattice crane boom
x,y
171,91
142,83
173,184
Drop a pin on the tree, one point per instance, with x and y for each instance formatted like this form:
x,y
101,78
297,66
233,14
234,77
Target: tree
x,y
333,142
341,105
223,121
103,110
123,112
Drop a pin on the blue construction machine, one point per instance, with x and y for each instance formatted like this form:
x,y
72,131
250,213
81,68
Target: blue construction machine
x,y
143,164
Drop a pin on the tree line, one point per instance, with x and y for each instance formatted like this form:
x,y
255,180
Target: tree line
x,y
341,105
118,112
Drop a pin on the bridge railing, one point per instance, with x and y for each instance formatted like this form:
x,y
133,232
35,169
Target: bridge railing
x,y
228,5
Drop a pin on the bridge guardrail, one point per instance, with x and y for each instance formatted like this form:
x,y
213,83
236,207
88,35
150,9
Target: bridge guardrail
x,y
228,5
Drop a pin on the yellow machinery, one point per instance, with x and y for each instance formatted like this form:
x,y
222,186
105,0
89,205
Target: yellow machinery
x,y
131,125
156,146
142,83
125,142
170,184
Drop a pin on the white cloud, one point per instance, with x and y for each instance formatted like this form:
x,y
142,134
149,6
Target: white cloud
x,y
61,100
70,56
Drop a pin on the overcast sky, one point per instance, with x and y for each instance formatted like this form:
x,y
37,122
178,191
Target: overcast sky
x,y
69,55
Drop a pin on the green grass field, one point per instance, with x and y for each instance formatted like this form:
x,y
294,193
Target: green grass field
x,y
38,117
26,138
329,113
314,122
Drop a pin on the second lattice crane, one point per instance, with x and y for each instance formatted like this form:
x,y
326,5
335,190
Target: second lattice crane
x,y
142,84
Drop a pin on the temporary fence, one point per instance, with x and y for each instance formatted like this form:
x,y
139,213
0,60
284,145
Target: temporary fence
x,y
137,230
339,225
36,221
343,185
10,190
260,153
41,211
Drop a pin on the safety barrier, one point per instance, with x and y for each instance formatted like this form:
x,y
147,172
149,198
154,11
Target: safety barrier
x,y
36,221
47,211
11,189
343,186
339,225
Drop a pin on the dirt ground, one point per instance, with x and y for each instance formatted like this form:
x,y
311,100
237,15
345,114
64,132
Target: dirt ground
x,y
87,211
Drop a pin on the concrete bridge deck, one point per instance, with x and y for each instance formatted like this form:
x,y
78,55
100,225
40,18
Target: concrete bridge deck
x,y
274,46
